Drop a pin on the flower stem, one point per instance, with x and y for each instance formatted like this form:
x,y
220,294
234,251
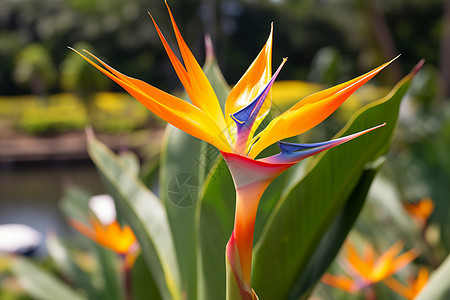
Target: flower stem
x,y
247,200
127,282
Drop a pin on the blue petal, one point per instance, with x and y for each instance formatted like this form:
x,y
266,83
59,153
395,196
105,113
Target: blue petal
x,y
293,152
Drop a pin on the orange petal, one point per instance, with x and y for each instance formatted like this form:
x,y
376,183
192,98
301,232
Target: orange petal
x,y
83,229
399,288
357,263
340,282
426,207
202,94
404,259
130,259
309,112
251,85
421,281
387,264
125,239
177,65
421,210
175,111
384,265
369,254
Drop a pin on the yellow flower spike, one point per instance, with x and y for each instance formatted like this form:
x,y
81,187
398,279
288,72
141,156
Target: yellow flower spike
x,y
250,86
367,270
413,287
309,112
112,236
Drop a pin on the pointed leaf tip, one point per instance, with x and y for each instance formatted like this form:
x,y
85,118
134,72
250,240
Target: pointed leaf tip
x,y
417,67
89,133
209,48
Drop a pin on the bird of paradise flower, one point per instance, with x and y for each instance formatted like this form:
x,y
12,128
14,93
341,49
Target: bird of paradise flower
x,y
367,269
119,239
233,131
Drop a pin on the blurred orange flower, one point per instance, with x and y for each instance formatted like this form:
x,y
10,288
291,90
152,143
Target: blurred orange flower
x,y
367,270
413,287
421,210
113,236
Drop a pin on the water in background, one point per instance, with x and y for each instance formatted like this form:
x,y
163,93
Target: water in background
x,y
30,193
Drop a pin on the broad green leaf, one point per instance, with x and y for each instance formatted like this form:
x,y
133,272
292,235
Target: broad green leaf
x,y
143,285
438,286
75,204
304,213
130,161
216,217
335,235
62,256
40,283
185,164
105,280
109,268
183,168
150,176
146,216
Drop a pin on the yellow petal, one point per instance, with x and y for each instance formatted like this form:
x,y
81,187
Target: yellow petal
x,y
175,111
202,94
309,112
251,85
384,265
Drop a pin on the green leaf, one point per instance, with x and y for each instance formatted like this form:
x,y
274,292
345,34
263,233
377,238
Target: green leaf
x,y
143,285
185,164
183,168
62,256
303,214
216,216
40,283
335,236
109,271
105,281
130,161
438,286
146,216
75,204
150,175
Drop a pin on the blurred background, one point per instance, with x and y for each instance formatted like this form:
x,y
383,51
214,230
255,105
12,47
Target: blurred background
x,y
48,94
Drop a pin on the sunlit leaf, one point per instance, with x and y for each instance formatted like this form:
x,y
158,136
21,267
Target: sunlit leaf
x,y
146,216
